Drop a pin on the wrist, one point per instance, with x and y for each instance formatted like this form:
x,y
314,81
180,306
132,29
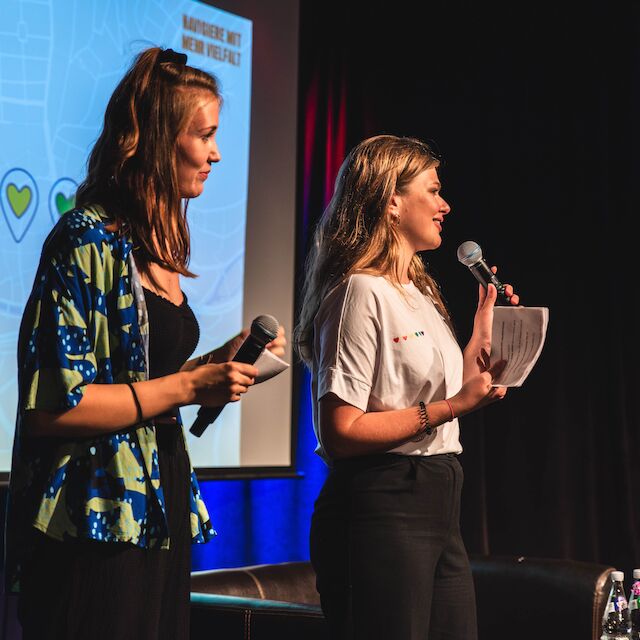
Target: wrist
x,y
424,423
185,389
457,406
452,411
432,415
476,345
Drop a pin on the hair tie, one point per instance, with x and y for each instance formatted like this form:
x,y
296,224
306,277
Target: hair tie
x,y
169,55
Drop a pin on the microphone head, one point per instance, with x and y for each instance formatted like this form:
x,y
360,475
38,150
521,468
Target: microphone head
x,y
265,326
469,253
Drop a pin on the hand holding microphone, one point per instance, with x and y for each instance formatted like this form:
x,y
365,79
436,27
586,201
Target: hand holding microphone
x,y
264,329
476,362
470,254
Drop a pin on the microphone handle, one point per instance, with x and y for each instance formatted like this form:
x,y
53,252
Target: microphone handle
x,y
484,276
248,353
250,350
204,419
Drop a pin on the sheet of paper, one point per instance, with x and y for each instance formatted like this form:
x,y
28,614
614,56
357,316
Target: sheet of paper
x,y
269,365
518,337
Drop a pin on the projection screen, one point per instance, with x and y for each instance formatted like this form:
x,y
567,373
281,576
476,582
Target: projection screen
x,y
59,63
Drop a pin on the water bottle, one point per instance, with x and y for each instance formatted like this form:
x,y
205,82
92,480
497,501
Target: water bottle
x,y
616,622
634,605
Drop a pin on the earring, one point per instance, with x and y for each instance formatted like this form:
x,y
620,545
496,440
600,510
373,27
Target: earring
x,y
396,218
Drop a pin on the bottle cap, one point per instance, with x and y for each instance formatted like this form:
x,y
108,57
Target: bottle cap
x,y
617,576
636,574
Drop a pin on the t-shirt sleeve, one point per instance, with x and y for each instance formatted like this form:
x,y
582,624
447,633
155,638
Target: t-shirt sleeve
x,y
56,348
347,337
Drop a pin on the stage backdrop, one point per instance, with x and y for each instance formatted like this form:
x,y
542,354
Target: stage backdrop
x,y
59,63
535,112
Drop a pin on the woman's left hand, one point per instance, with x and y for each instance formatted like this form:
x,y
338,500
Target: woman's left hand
x,y
228,350
514,298
483,320
277,346
480,341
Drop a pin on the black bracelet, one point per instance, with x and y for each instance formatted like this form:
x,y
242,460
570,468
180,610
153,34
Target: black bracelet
x,y
425,425
135,399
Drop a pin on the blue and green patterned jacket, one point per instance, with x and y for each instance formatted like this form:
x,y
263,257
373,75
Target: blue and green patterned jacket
x,y
86,323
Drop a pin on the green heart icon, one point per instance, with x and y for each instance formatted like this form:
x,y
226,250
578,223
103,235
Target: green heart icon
x,y
64,204
19,199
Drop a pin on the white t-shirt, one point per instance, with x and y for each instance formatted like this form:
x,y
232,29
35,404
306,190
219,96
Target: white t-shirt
x,y
379,348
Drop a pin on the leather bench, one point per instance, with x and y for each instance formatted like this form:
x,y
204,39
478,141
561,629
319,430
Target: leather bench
x,y
517,597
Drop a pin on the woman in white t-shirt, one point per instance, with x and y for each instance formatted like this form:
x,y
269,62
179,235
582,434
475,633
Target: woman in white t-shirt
x,y
389,382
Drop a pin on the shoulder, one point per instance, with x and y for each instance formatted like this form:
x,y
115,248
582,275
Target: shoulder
x,y
83,226
374,291
83,230
362,290
360,286
355,298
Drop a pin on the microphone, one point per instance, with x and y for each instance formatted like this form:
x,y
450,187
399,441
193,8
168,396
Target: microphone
x,y
264,329
470,254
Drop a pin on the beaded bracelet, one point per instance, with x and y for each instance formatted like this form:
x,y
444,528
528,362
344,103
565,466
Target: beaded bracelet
x,y
425,425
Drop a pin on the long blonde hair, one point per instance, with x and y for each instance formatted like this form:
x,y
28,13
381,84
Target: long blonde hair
x,y
132,169
355,234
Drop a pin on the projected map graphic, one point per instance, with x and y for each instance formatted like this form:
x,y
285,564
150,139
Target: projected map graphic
x,y
59,63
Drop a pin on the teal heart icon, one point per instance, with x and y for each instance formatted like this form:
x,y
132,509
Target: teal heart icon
x,y
62,198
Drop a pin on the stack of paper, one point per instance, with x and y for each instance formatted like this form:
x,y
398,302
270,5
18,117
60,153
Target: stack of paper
x,y
518,337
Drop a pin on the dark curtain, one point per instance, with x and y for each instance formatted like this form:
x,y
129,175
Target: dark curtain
x,y
535,109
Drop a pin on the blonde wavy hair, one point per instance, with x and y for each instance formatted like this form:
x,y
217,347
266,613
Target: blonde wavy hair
x,y
355,234
132,170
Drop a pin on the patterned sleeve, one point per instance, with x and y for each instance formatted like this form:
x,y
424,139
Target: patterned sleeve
x,y
57,336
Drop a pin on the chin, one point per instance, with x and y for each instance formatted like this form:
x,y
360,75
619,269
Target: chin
x,y
431,244
192,192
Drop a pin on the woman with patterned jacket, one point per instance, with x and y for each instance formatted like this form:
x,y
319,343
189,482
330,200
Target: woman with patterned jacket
x,y
104,504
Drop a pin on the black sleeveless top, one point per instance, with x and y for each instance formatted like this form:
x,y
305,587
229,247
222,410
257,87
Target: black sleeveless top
x,y
173,334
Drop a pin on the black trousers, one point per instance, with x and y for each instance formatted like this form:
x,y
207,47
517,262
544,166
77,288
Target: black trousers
x,y
84,589
387,550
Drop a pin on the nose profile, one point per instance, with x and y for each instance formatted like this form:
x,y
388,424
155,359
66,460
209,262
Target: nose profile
x,y
214,153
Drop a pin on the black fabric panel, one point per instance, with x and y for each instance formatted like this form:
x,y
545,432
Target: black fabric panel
x,y
535,110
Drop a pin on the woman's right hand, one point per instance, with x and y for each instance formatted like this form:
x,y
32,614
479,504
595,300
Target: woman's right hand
x,y
478,391
214,385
